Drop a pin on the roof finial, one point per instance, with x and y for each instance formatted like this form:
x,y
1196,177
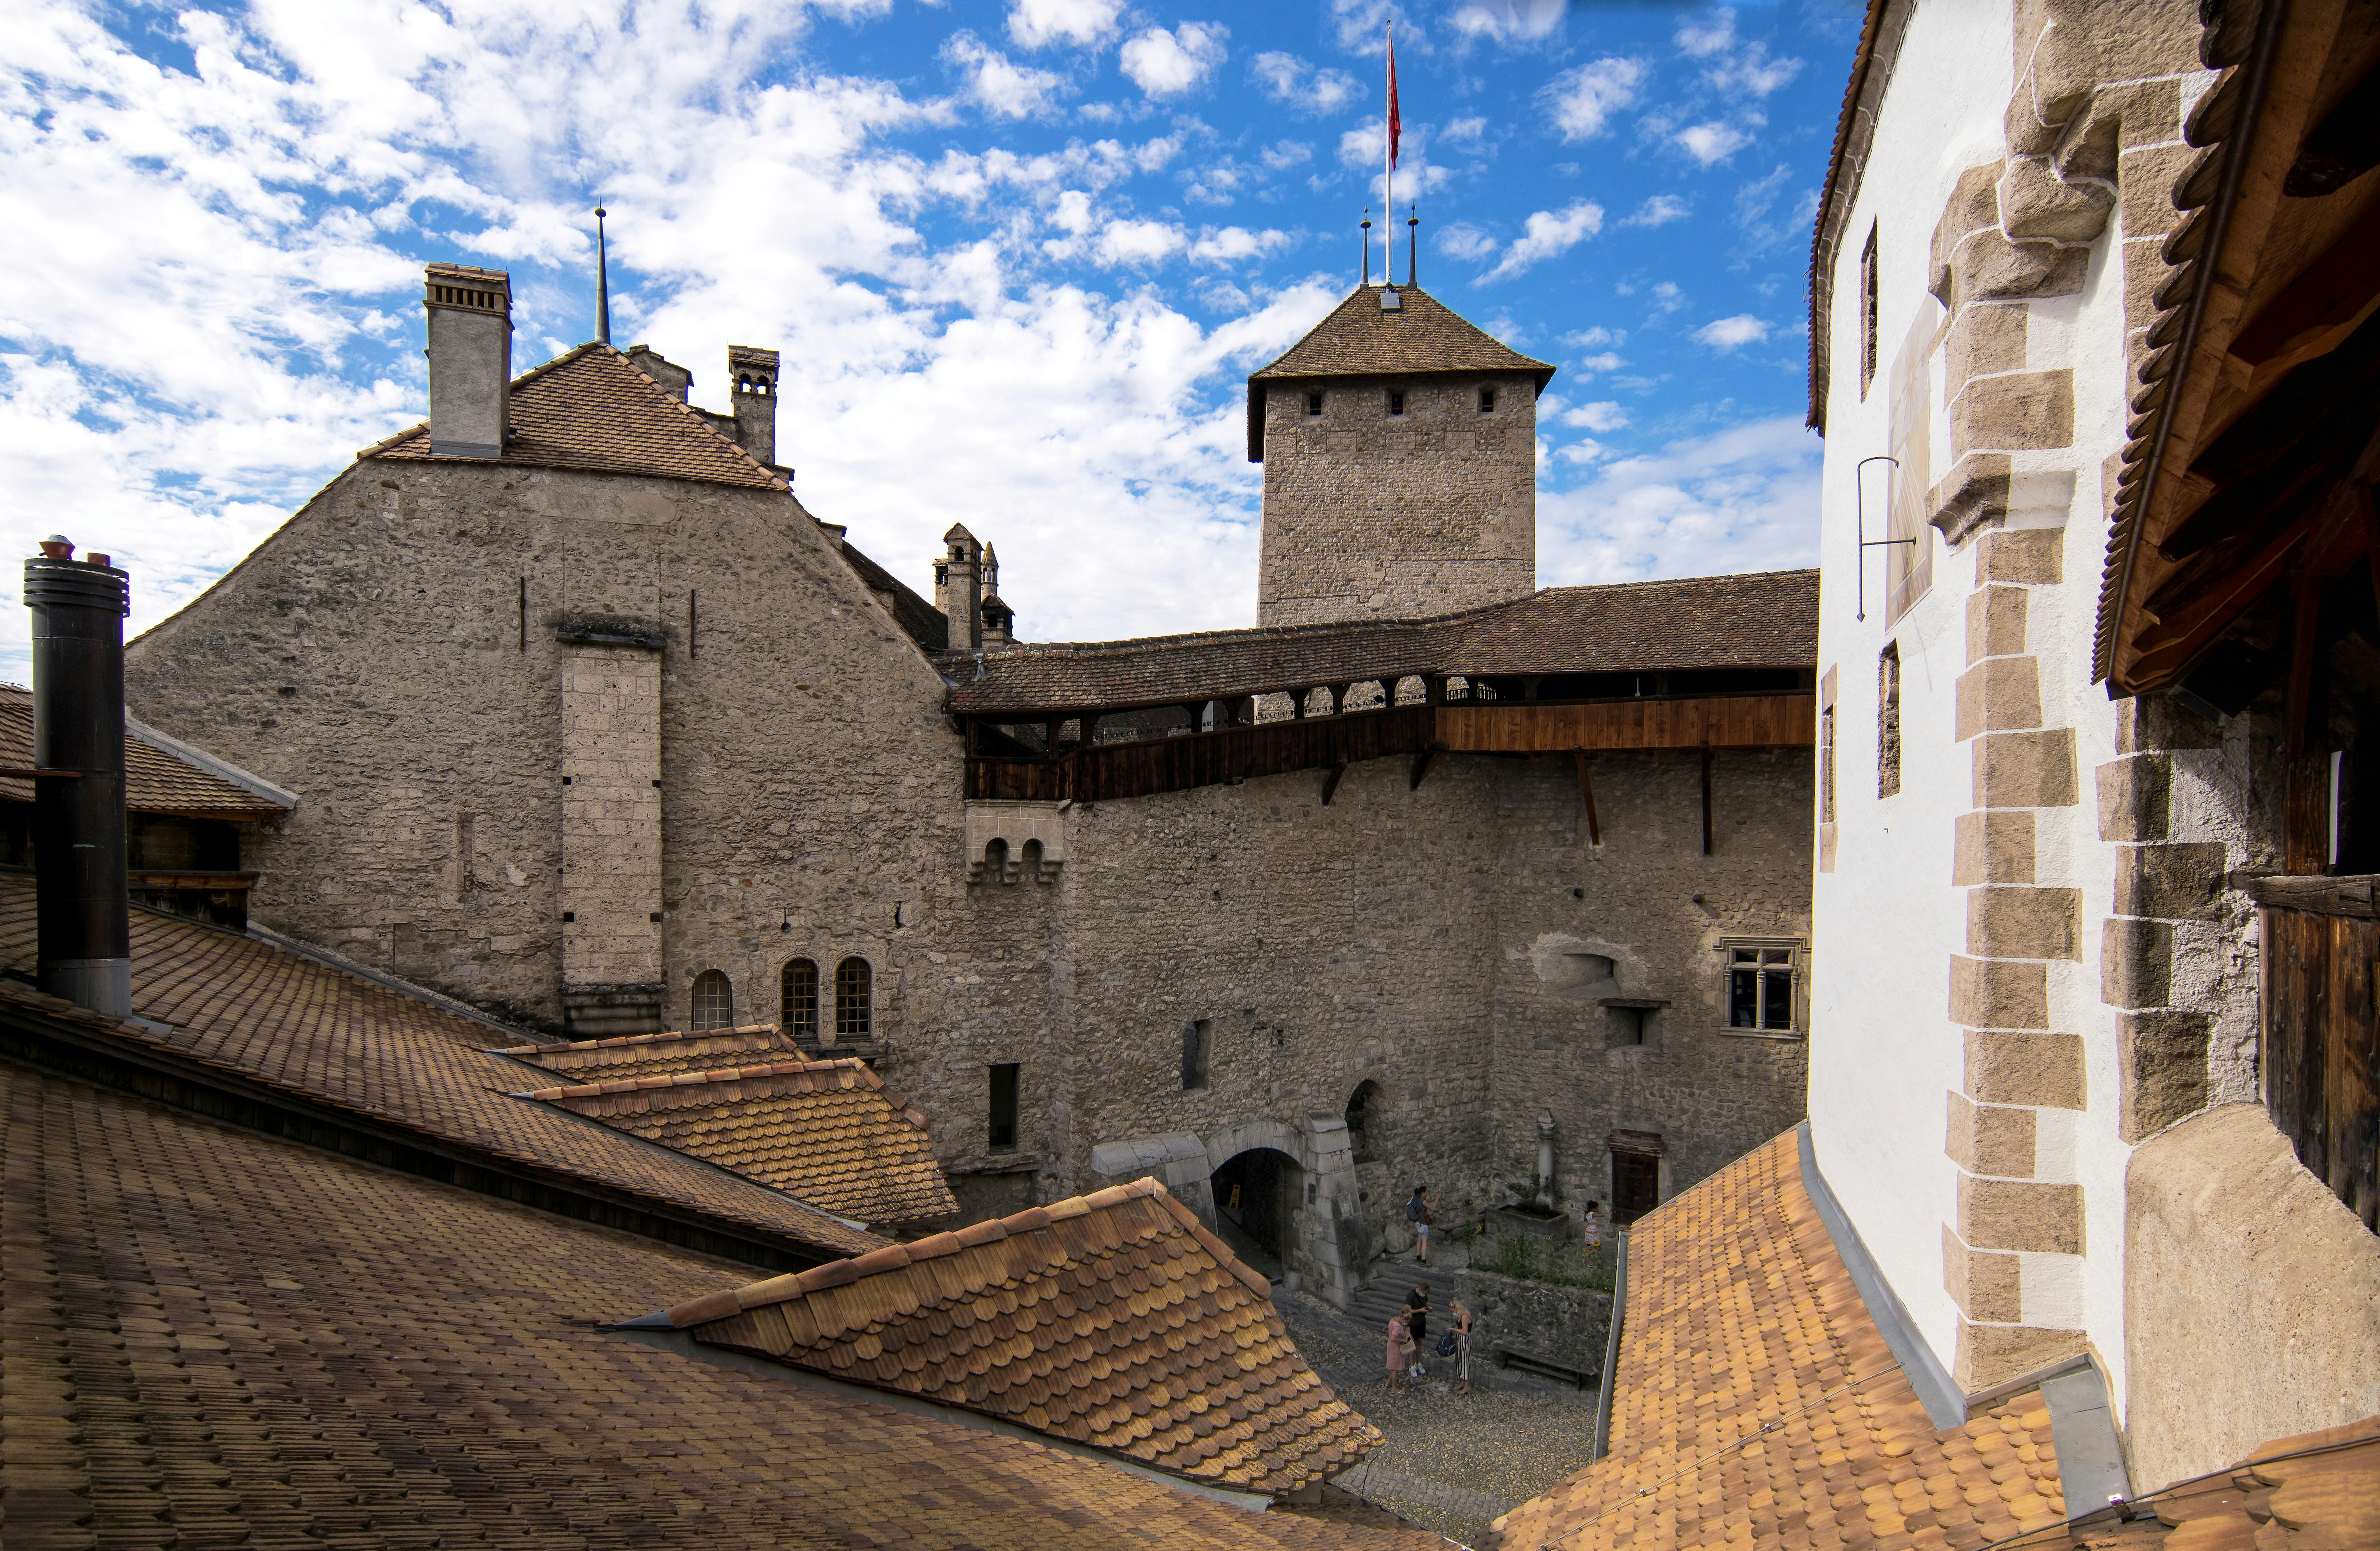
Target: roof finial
x,y
1413,242
602,283
1368,245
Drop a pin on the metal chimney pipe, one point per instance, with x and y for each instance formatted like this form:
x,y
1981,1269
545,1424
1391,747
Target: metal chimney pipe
x,y
84,919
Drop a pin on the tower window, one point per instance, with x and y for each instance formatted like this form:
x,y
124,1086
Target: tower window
x,y
798,999
1868,313
1762,979
1486,401
1396,401
1197,1051
1313,403
1002,1130
851,1001
1887,719
715,1001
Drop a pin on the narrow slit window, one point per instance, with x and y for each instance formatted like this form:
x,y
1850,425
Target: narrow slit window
x,y
1313,403
1396,401
1197,1051
854,989
1887,719
1762,986
715,1001
1486,401
1868,313
1001,1135
798,1000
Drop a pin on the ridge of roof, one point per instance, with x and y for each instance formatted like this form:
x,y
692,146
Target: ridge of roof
x,y
625,1041
854,1073
894,1257
1827,227
535,425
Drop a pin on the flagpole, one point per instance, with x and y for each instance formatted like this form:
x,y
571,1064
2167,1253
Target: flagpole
x,y
1389,161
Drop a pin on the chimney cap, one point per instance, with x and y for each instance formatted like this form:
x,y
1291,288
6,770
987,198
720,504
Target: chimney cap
x,y
57,546
467,289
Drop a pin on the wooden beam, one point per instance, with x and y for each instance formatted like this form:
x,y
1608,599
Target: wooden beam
x,y
1426,763
1330,782
1725,721
1587,793
1706,797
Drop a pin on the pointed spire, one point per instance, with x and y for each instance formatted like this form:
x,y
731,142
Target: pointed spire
x,y
1412,241
602,283
1368,245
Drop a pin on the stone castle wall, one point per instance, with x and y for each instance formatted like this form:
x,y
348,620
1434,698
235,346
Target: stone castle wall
x,y
1370,516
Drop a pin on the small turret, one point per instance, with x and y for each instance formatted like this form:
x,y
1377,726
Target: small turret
x,y
958,588
999,621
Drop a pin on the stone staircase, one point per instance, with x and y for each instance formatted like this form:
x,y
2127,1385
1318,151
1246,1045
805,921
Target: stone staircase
x,y
1379,1299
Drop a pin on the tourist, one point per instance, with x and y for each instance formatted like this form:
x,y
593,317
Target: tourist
x,y
1401,1345
1417,1213
1594,1225
1460,1338
1416,1318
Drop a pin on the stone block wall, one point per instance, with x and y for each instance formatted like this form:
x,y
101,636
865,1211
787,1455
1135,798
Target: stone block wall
x,y
610,816
1565,1324
1374,516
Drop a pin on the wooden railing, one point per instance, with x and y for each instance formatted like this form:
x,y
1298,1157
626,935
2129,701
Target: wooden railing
x,y
1148,766
2320,1024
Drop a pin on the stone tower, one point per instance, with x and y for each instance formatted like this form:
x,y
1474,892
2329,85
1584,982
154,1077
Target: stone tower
x,y
1400,451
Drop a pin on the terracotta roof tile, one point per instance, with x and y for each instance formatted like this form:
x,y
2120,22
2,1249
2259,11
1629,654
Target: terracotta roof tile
x,y
590,409
1360,339
652,1055
155,780
215,1338
319,1033
1113,1319
1756,1405
828,1131
1763,619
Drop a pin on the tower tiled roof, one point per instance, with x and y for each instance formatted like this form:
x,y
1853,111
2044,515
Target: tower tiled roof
x,y
590,408
1762,619
1115,1320
657,1054
828,1131
1422,337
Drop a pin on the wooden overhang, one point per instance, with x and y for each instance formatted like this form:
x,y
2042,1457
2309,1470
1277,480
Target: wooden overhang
x,y
2243,535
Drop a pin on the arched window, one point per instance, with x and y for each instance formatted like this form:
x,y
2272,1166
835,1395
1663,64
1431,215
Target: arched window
x,y
852,990
798,999
1363,1118
715,1001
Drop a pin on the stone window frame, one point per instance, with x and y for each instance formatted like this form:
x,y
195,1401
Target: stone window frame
x,y
710,1001
1396,402
798,1012
1011,1102
855,1000
1795,964
1313,402
1487,398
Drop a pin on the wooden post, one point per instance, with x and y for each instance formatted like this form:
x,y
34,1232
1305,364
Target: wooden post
x,y
1706,797
1586,791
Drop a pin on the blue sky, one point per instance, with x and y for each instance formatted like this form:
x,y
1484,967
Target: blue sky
x,y
1019,256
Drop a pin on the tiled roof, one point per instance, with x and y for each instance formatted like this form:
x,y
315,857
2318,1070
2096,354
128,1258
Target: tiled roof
x,y
655,1055
320,1034
216,1337
155,780
920,620
589,408
1765,619
1756,1405
1113,1319
1360,339
826,1131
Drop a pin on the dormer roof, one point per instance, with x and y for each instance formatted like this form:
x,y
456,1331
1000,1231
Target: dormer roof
x,y
1422,337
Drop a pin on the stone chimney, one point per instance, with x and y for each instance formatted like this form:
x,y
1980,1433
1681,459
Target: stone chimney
x,y
470,359
752,378
672,378
960,575
999,621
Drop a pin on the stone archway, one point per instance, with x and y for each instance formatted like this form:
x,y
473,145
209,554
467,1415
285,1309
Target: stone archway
x,y
1257,1194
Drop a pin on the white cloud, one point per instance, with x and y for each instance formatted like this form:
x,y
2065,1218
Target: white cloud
x,y
1667,297
1362,26
1002,85
1605,416
1731,68
1608,361
1711,35
1039,23
1508,21
1473,129
1589,339
1285,154
1463,240
1582,101
1659,211
1713,141
1729,334
1287,79
1364,148
1741,498
1167,64
1228,244
1546,234
1138,242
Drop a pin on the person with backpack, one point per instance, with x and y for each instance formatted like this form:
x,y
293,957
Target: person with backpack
x,y
1419,1213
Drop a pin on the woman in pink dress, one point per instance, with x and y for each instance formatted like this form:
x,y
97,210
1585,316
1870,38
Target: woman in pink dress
x,y
1400,1346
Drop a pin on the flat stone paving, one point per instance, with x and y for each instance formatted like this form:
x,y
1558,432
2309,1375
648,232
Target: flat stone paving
x,y
1451,1462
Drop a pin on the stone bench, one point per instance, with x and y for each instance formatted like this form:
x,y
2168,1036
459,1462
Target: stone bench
x,y
1506,1357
